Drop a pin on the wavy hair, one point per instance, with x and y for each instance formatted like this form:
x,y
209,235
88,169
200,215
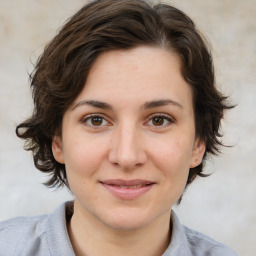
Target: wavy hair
x,y
104,25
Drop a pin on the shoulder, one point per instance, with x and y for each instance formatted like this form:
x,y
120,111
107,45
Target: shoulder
x,y
201,244
188,242
22,225
38,236
17,232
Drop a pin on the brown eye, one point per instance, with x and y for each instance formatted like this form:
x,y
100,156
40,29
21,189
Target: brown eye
x,y
158,121
96,121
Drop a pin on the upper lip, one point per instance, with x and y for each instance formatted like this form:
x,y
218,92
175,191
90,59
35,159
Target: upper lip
x,y
120,182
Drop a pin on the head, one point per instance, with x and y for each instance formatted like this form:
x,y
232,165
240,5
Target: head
x,y
103,26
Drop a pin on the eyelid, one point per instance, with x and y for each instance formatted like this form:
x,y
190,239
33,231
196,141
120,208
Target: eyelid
x,y
160,114
85,118
167,117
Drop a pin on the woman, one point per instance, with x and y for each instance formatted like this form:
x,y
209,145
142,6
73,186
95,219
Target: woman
x,y
126,111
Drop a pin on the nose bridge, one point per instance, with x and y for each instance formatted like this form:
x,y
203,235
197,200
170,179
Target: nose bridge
x,y
126,150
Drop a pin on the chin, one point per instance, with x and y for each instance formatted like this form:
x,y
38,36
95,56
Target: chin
x,y
128,219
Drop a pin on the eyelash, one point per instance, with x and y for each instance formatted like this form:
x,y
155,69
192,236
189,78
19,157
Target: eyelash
x,y
164,117
88,118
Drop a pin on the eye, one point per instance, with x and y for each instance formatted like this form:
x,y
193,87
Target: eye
x,y
160,120
95,121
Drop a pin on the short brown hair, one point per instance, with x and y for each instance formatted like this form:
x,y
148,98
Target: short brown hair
x,y
104,25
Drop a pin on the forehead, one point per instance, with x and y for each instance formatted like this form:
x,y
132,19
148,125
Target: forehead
x,y
139,74
144,60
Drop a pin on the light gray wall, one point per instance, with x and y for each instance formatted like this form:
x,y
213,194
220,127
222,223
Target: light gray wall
x,y
223,205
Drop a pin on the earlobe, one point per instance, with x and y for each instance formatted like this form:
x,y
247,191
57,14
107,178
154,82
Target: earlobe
x,y
57,149
198,153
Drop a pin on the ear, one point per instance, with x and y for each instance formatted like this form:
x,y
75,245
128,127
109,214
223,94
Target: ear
x,y
198,153
57,149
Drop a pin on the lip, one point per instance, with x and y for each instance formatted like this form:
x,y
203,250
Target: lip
x,y
127,189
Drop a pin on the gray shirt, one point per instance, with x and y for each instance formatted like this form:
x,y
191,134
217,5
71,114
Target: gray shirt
x,y
47,235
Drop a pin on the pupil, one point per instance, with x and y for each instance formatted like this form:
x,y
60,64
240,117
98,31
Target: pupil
x,y
158,121
96,121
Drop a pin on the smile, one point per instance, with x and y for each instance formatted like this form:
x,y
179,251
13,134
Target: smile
x,y
134,186
127,190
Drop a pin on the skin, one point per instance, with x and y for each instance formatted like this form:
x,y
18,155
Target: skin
x,y
129,137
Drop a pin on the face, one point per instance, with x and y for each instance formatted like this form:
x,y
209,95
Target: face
x,y
128,140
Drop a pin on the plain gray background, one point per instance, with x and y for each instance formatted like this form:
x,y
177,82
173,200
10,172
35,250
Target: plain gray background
x,y
223,205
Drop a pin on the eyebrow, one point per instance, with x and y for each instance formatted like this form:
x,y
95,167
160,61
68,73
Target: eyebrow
x,y
160,103
147,105
93,103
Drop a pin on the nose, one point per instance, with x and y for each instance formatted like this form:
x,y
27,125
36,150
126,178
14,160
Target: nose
x,y
127,150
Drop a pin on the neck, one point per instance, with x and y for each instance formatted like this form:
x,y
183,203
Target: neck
x,y
89,236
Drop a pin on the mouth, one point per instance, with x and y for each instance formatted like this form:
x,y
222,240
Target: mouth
x,y
127,189
133,186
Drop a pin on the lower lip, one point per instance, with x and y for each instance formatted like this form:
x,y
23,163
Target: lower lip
x,y
127,193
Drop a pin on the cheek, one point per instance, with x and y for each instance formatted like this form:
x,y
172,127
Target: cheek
x,y
172,161
83,158
172,157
